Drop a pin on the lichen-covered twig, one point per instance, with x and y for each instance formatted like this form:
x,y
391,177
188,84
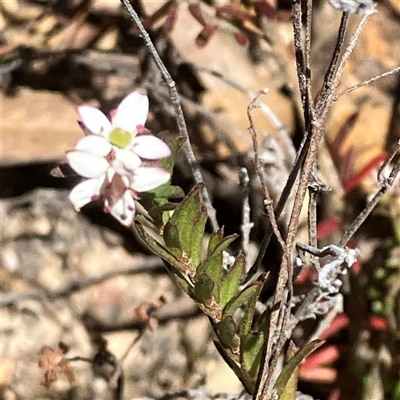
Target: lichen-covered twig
x,y
246,225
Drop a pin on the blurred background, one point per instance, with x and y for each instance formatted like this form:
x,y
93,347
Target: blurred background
x,y
85,280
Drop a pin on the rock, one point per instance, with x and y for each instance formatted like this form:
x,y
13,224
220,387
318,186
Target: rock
x,y
37,126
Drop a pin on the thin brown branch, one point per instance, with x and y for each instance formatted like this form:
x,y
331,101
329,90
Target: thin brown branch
x,y
331,88
268,200
330,73
312,222
374,79
279,297
315,132
197,175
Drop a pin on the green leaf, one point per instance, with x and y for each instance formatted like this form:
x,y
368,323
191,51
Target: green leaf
x,y
246,295
226,330
163,252
262,323
248,314
251,351
146,221
222,245
189,214
289,392
291,366
213,267
244,377
171,237
168,191
154,200
203,288
197,237
175,146
232,279
215,238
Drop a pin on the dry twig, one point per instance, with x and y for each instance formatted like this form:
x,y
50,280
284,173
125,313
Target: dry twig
x,y
197,175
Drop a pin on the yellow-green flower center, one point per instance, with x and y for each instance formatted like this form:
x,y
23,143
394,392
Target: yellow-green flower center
x,y
120,138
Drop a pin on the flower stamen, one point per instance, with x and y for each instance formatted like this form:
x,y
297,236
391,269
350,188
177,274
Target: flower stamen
x,y
120,137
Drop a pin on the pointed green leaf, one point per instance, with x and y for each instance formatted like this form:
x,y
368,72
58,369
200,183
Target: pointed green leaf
x,y
163,252
188,214
242,298
168,191
215,238
251,350
293,363
212,266
226,330
222,245
203,288
197,237
289,392
232,279
146,221
262,323
248,313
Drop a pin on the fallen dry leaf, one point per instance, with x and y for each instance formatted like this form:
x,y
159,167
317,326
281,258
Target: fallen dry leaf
x,y
53,362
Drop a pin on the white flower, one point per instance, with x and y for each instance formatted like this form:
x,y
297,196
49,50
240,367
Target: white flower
x,y
117,158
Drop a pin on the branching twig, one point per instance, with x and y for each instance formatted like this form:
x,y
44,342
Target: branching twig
x,y
279,297
178,110
350,89
268,200
330,73
333,84
314,132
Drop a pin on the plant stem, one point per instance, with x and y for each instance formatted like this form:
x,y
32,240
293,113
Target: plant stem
x,y
197,175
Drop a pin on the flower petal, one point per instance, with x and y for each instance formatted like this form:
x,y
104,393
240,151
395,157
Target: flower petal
x,y
124,209
86,164
131,112
94,120
85,192
126,162
96,145
151,147
149,178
